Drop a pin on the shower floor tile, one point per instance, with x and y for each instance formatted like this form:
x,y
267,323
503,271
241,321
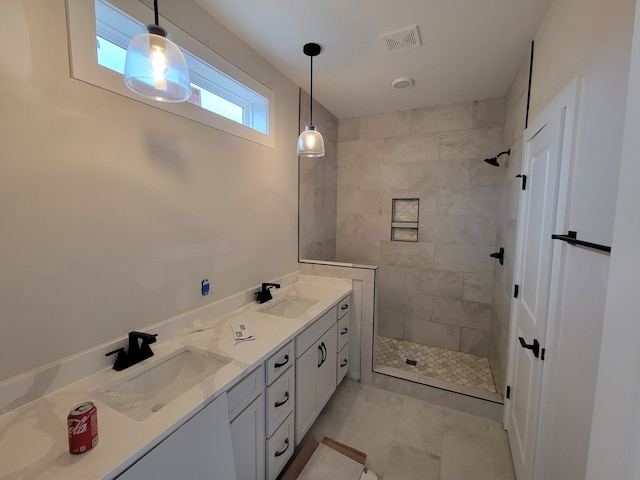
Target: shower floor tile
x,y
454,367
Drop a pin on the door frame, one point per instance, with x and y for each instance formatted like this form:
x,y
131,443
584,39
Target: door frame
x,y
564,105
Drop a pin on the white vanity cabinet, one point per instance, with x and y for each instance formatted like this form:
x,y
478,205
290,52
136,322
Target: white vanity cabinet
x,y
247,415
316,358
201,447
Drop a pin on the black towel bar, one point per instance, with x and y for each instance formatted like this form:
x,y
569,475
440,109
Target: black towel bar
x,y
571,238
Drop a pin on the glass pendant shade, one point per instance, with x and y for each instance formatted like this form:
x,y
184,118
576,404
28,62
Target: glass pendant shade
x,y
155,68
310,143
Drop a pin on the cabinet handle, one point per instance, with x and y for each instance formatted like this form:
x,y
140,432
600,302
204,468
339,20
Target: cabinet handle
x,y
324,350
344,363
321,361
286,360
345,331
286,399
286,441
345,306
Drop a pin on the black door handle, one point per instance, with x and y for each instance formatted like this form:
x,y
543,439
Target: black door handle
x,y
286,360
535,346
286,441
286,399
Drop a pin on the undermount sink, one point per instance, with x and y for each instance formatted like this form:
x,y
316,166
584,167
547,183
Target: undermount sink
x,y
148,389
288,307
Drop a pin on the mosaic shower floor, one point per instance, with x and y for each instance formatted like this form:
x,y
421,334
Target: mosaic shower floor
x,y
454,367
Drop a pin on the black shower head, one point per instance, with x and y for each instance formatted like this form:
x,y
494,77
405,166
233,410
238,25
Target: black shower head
x,y
494,160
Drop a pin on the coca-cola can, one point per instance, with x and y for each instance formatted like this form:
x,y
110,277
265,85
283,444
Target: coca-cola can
x,y
82,423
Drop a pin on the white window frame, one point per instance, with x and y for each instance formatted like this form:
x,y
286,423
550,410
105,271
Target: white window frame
x,y
84,66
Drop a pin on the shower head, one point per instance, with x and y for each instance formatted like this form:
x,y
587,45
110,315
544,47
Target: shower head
x,y
494,160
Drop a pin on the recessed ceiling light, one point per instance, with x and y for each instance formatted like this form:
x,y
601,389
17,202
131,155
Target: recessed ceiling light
x,y
402,83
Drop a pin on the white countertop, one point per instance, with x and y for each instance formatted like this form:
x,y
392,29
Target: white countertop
x,y
33,438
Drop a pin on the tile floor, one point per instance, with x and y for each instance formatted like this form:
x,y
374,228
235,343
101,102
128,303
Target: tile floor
x,y
456,367
408,439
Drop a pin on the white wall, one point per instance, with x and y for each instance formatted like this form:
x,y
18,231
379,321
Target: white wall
x,y
613,451
113,211
593,39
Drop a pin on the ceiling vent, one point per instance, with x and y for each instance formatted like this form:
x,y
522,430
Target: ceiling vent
x,y
402,39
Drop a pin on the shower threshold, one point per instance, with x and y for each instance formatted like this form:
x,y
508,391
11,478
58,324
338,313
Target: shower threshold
x,y
436,367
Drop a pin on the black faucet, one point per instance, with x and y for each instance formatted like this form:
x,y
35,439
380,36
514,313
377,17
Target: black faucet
x,y
139,350
265,294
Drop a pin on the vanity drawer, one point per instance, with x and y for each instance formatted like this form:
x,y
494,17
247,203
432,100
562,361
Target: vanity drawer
x,y
343,332
315,331
280,400
344,306
245,392
279,362
280,448
342,366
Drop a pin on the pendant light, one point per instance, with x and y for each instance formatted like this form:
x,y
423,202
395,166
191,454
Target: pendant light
x,y
310,142
155,67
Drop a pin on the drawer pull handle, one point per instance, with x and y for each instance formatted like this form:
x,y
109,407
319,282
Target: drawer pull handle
x,y
345,331
323,354
278,454
286,360
344,363
345,306
286,399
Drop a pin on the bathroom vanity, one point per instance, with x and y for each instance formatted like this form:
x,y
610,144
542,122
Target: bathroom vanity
x,y
203,403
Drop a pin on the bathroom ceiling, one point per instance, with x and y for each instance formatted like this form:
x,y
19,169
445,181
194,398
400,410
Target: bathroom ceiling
x,y
470,49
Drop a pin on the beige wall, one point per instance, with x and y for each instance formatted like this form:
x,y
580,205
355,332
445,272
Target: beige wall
x,y
436,291
112,211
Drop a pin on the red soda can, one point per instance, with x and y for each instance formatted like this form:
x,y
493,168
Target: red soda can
x,y
82,423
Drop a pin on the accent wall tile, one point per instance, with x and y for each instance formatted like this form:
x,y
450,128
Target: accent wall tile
x,y
489,113
434,282
464,258
348,129
478,287
384,177
442,118
462,313
475,342
482,143
393,124
433,334
469,201
412,148
438,173
406,254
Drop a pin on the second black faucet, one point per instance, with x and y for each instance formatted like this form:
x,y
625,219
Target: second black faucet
x,y
265,294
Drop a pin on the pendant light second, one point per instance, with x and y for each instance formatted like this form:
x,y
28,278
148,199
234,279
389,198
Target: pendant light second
x,y
310,142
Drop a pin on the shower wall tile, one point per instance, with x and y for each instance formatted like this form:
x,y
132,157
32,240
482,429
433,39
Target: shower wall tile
x,y
489,113
458,230
390,323
428,200
391,281
393,124
439,173
373,228
482,174
475,342
365,202
470,143
417,307
464,258
442,118
412,148
347,177
478,287
451,311
421,281
384,177
366,252
474,201
433,334
346,226
348,129
406,254
366,152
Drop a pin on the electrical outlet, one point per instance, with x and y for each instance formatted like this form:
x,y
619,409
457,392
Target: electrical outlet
x,y
205,287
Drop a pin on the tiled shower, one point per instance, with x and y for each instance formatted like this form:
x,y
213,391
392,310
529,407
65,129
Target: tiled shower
x,y
436,276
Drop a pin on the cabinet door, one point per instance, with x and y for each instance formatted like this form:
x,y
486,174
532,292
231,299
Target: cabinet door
x,y
306,366
201,448
326,372
247,438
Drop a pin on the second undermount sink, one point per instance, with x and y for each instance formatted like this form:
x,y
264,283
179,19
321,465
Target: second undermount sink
x,y
288,307
146,390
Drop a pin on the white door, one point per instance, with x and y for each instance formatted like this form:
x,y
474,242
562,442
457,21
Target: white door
x,y
541,165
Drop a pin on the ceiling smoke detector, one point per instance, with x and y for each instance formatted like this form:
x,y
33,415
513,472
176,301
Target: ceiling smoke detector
x,y
402,83
402,39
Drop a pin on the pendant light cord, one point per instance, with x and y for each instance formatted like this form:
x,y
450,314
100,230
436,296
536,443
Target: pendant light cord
x,y
311,95
155,10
